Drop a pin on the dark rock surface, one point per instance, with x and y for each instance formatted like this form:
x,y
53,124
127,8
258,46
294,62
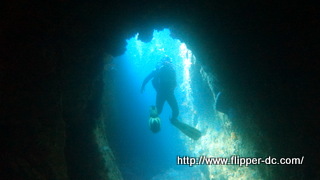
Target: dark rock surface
x,y
265,55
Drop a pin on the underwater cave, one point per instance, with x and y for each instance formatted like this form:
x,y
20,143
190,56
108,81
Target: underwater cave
x,y
71,76
200,104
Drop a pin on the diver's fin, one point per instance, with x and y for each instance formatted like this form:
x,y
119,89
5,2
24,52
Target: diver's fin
x,y
191,132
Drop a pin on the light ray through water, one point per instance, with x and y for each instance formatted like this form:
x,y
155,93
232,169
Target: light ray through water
x,y
196,98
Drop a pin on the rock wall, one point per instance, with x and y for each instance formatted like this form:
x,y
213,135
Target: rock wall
x,y
51,92
52,62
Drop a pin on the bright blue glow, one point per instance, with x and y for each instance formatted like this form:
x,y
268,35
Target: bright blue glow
x,y
140,149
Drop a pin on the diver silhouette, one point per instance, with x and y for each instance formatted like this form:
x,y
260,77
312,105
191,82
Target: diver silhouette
x,y
164,82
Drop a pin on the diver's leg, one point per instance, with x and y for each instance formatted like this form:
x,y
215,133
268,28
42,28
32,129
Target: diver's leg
x,y
160,99
172,101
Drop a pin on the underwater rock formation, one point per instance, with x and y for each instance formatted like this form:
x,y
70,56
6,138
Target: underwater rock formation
x,y
51,64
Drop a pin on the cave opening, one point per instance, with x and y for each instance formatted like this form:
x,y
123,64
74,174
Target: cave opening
x,y
142,154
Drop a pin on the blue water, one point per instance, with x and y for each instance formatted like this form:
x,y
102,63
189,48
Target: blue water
x,y
144,155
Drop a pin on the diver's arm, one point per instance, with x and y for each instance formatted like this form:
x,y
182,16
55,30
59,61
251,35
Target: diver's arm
x,y
146,80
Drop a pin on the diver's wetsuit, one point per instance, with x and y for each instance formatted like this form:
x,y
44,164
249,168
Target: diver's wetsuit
x,y
164,82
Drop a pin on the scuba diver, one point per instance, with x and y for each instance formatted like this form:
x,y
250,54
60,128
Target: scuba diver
x,y
164,82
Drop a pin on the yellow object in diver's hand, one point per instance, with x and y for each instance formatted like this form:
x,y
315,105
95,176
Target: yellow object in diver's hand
x,y
154,120
153,112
